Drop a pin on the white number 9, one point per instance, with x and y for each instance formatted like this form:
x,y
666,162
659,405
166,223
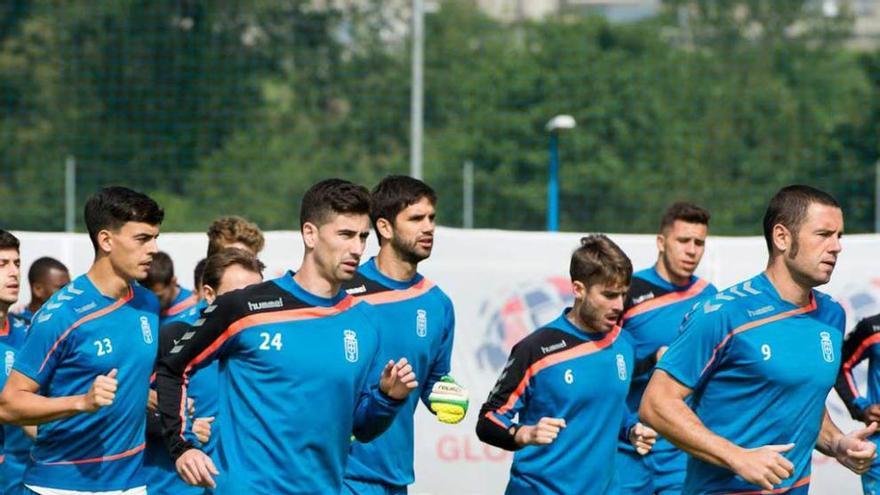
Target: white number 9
x,y
569,377
765,350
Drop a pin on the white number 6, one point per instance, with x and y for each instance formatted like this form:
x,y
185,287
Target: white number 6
x,y
569,377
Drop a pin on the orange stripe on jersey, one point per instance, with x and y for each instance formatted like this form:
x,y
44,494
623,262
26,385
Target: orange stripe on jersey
x,y
757,323
800,483
114,457
848,365
577,351
390,296
85,319
5,330
491,417
182,305
666,299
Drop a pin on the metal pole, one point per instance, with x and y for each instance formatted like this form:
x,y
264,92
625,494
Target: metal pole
x,y
553,185
69,194
417,101
467,195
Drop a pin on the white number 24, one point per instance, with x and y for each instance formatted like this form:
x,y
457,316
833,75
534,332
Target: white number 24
x,y
270,341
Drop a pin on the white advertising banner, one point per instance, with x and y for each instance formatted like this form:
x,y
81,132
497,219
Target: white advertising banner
x,y
504,285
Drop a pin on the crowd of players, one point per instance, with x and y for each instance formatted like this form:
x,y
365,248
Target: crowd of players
x,y
121,382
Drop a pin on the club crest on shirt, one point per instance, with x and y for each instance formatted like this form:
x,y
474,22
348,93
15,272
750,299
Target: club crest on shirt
x,y
421,322
621,367
10,360
827,347
146,331
351,345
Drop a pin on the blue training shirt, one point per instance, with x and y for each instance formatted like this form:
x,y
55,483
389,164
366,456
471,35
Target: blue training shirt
x,y
159,469
296,380
416,321
760,369
560,371
76,336
16,444
183,302
653,313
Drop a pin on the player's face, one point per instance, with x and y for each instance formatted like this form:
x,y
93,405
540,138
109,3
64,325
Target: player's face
x,y
339,245
681,248
812,258
10,275
165,292
601,305
54,280
413,232
132,248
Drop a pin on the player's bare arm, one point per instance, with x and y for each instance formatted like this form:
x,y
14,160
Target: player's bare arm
x,y
20,404
664,409
853,449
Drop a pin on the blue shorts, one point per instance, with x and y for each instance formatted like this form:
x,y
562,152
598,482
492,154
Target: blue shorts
x,y
360,487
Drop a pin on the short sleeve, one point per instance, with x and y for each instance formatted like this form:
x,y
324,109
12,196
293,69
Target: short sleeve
x,y
699,347
44,348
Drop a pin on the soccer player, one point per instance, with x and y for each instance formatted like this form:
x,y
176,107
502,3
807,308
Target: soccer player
x,y
416,320
861,344
225,271
756,362
13,327
656,303
567,382
46,276
296,365
173,299
234,231
84,370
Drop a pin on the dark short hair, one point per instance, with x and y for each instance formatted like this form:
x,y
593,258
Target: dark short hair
x,y
333,196
685,212
40,269
789,206
114,206
599,260
216,265
9,241
161,270
228,230
198,271
396,192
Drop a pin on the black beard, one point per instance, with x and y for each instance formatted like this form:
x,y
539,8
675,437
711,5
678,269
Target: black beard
x,y
407,251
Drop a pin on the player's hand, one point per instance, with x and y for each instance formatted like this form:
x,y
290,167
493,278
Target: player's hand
x,y
398,379
101,393
196,468
542,433
642,438
201,428
872,413
448,400
764,466
152,401
855,451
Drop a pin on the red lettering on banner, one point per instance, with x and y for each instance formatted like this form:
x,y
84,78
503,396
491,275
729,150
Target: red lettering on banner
x,y
463,448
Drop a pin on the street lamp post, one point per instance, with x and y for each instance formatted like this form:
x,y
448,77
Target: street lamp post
x,y
554,126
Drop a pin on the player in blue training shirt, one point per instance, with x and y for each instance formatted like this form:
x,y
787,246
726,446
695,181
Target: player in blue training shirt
x,y
656,303
173,299
228,270
416,320
84,371
861,344
46,276
297,359
756,363
567,384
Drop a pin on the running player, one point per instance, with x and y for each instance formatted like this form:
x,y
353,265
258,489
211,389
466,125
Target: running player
x,y
861,344
567,381
416,320
234,231
757,360
225,271
296,360
656,304
173,299
84,370
46,276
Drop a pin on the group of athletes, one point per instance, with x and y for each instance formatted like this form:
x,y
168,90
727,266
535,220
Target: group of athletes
x,y
121,382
